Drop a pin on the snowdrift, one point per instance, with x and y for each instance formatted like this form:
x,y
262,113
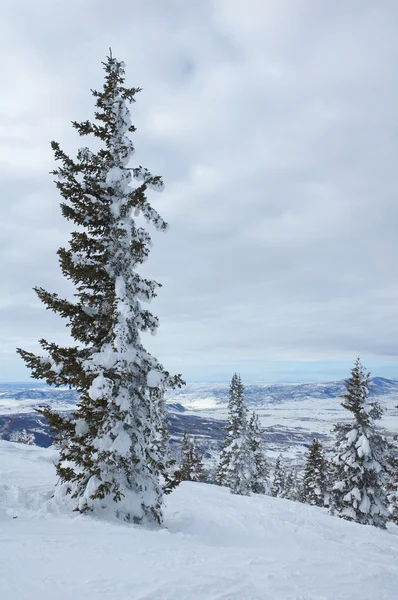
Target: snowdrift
x,y
215,547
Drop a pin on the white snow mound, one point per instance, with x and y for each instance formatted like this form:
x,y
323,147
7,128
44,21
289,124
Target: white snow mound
x,y
215,547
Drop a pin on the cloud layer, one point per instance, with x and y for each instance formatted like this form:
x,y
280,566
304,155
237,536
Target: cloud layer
x,y
274,126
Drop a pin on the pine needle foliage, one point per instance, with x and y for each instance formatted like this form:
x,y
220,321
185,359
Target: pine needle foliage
x,y
192,467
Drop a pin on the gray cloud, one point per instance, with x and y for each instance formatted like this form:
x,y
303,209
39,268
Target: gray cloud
x,y
274,126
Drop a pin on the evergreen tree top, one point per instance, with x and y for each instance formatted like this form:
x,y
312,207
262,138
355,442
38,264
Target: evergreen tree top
x,y
113,90
356,397
236,406
315,446
104,252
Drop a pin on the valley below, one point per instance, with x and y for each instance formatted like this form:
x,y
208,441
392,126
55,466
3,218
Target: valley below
x,y
291,415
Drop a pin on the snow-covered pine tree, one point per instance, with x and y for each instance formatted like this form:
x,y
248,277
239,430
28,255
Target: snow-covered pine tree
x,y
235,465
360,472
198,468
111,449
315,476
278,482
186,463
23,437
288,486
192,468
170,478
296,491
259,482
392,485
292,488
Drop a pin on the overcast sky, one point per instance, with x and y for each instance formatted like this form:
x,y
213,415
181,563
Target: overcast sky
x,y
274,124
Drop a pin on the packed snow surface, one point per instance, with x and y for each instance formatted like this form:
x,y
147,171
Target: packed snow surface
x,y
215,546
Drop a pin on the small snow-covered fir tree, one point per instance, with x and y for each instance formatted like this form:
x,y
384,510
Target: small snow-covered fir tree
x,y
315,476
259,481
292,488
186,463
278,481
235,465
112,449
169,479
192,468
360,472
288,486
392,485
23,437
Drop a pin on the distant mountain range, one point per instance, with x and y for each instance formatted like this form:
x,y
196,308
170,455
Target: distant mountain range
x,y
12,391
257,392
200,409
266,393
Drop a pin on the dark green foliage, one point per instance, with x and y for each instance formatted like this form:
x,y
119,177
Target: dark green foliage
x,y
315,476
192,468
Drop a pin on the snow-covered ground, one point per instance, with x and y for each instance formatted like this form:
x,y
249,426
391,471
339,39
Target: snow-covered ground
x,y
215,547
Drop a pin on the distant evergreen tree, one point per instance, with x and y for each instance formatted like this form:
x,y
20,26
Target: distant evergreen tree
x,y
360,471
392,485
292,488
186,463
192,468
260,471
298,485
111,450
235,465
289,486
170,475
315,476
198,468
23,437
278,483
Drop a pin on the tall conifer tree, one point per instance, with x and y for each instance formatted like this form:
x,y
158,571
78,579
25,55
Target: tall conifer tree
x,y
392,485
315,476
259,481
360,470
235,465
111,449
278,483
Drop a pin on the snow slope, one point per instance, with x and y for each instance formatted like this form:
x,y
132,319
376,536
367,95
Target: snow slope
x,y
216,547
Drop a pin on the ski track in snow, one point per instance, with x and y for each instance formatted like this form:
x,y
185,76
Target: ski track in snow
x,y
216,546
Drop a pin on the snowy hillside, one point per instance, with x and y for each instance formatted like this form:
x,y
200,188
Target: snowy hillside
x,y
215,547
